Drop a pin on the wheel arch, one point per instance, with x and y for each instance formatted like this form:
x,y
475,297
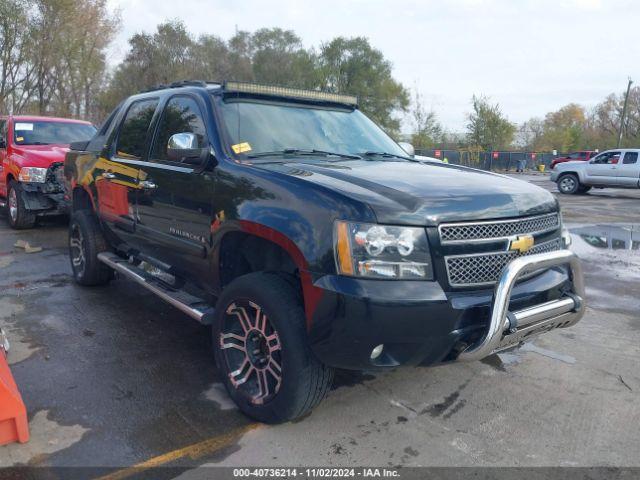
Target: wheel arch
x,y
265,249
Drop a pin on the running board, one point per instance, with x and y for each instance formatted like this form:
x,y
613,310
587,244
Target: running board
x,y
186,303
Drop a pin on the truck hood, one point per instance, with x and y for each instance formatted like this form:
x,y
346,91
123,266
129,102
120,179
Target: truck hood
x,y
410,193
39,155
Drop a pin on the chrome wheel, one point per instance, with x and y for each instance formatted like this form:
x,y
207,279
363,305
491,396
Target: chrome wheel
x,y
568,184
76,248
252,351
13,205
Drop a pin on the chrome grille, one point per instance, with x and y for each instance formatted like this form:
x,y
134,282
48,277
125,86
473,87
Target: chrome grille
x,y
486,268
498,229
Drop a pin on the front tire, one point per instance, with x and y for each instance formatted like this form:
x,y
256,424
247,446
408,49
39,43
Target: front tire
x,y
262,350
17,213
86,241
568,184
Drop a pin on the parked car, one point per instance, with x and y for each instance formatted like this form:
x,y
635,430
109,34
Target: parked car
x,y
310,240
32,151
581,156
617,168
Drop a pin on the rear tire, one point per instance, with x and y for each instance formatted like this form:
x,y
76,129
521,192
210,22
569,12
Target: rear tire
x,y
86,241
17,213
262,350
568,184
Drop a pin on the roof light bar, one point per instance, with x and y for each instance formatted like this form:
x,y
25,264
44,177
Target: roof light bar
x,y
257,89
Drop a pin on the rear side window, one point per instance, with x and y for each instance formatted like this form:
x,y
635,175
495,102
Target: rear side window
x,y
630,157
3,131
181,115
134,129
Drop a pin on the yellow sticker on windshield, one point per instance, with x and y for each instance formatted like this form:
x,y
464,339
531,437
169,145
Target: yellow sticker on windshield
x,y
19,139
241,147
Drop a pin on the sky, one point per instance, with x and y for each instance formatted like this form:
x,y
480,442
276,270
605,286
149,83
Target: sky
x,y
529,56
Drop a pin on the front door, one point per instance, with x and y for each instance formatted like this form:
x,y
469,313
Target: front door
x,y
174,203
629,170
117,177
602,170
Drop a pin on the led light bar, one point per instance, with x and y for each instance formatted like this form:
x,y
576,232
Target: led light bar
x,y
257,89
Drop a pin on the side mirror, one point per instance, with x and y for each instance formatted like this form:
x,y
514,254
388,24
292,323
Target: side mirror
x,y
407,147
183,147
3,143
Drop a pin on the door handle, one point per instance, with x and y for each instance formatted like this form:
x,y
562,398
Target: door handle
x,y
147,185
108,175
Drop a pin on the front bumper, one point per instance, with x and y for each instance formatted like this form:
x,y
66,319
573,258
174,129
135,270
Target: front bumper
x,y
45,198
420,324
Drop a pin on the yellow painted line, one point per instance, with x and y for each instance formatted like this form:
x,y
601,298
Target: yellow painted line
x,y
196,450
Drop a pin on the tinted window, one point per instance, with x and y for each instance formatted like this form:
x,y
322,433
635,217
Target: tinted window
x,y
3,130
573,156
181,115
134,128
630,157
50,133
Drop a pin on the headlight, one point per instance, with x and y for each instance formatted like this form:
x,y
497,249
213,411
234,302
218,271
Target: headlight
x,y
32,174
381,251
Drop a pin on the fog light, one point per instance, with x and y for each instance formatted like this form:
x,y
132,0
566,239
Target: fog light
x,y
376,352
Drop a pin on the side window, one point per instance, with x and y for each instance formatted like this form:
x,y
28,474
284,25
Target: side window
x,y
573,156
607,158
630,157
134,129
181,115
3,133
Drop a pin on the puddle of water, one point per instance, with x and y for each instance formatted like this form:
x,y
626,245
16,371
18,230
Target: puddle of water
x,y
47,437
615,247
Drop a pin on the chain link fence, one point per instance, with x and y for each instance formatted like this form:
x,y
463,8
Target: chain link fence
x,y
500,161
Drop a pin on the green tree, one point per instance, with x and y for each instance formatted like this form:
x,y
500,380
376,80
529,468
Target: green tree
x,y
352,65
15,70
564,129
487,127
279,58
427,130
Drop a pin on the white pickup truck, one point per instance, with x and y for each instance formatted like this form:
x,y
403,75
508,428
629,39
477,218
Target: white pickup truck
x,y
619,168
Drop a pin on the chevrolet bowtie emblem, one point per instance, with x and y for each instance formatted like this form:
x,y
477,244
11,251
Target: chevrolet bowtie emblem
x,y
521,243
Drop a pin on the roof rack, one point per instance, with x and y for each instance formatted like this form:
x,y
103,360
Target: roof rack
x,y
179,84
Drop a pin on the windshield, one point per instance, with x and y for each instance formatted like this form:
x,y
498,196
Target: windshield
x,y
45,133
256,128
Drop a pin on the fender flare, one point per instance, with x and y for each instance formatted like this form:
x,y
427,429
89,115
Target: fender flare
x,y
310,293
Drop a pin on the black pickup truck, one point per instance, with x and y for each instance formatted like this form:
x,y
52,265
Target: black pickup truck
x,y
309,240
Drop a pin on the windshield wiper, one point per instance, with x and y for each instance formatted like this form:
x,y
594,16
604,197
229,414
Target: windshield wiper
x,y
299,151
387,155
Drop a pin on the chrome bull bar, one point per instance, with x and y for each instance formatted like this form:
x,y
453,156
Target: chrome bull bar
x,y
507,329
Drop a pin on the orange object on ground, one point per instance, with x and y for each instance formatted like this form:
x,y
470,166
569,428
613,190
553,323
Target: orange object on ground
x,y
14,426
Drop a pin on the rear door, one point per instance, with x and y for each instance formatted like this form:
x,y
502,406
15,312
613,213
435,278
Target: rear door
x,y
117,174
629,170
175,199
603,169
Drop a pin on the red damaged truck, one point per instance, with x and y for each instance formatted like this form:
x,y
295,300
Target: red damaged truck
x,y
32,151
